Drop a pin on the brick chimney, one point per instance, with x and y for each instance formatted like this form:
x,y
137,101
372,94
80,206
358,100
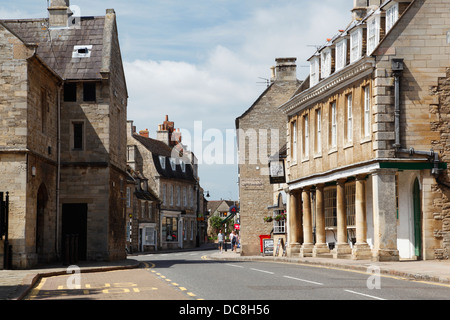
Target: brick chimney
x,y
285,70
58,13
167,133
144,133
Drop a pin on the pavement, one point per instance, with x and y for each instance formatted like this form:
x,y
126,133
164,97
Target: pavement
x,y
16,284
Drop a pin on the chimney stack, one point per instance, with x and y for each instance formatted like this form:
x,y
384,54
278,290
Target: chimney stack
x,y
359,9
144,133
285,70
58,13
167,133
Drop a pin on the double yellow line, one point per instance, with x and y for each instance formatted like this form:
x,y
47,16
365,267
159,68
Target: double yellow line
x,y
150,266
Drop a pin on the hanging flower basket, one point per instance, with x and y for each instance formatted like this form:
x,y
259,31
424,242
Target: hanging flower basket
x,y
268,219
280,217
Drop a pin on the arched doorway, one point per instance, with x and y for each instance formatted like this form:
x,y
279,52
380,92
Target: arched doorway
x,y
417,219
42,199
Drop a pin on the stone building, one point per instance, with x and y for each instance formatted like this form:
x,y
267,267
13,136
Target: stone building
x,y
142,211
367,138
173,176
261,131
62,136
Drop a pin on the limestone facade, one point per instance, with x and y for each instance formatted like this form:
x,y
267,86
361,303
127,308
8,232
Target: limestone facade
x,y
364,128
62,136
175,182
261,133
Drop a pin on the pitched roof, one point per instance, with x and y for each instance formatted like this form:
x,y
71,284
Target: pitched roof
x,y
159,148
55,46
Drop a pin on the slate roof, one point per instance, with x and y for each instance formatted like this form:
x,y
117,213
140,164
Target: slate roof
x,y
55,46
159,148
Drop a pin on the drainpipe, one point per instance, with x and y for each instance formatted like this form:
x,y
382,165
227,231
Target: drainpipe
x,y
58,169
397,68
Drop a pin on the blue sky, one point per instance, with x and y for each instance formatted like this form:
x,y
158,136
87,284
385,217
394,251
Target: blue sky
x,y
202,60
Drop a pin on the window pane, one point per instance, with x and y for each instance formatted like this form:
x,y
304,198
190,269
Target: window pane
x,y
70,92
78,136
330,208
89,91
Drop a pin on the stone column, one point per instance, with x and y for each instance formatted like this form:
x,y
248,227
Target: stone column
x,y
321,245
385,215
295,223
361,249
342,249
308,244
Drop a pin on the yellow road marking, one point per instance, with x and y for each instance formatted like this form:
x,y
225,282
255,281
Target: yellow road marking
x,y
35,291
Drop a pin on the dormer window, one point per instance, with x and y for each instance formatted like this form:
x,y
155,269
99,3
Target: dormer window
x,y
162,162
314,71
341,54
391,16
183,166
82,51
326,62
373,33
355,45
173,163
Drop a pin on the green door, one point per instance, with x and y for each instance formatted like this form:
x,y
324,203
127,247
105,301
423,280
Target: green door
x,y
417,219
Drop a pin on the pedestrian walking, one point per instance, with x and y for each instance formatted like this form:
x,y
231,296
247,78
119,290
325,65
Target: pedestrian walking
x,y
232,239
220,240
234,242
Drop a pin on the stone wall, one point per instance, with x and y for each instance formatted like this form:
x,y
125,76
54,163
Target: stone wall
x,y
420,38
256,193
441,205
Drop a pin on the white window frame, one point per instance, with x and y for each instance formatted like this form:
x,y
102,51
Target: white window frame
x,y
355,45
128,197
325,57
162,161
341,54
163,191
306,137
373,33
330,207
173,164
350,117
367,111
333,138
294,141
392,14
318,131
315,71
142,209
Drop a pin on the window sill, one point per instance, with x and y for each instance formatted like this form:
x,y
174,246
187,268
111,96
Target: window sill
x,y
366,140
331,151
348,145
316,156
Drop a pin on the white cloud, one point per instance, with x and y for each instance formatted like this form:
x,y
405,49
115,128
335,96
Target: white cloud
x,y
222,84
